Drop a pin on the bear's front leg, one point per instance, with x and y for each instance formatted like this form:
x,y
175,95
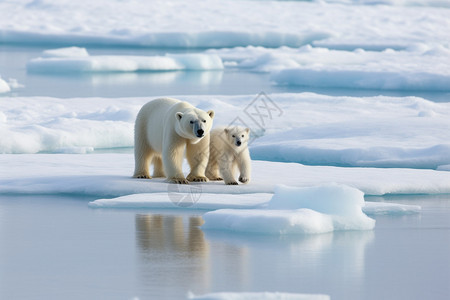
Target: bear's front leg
x,y
226,166
172,161
197,156
244,165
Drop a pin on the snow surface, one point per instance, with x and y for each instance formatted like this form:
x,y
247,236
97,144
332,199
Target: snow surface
x,y
340,25
294,210
77,60
108,175
307,128
258,296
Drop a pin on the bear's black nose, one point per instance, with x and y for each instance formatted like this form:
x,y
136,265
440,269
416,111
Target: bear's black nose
x,y
200,132
238,143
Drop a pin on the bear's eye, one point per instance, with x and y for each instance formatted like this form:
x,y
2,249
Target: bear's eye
x,y
192,122
204,121
242,135
233,136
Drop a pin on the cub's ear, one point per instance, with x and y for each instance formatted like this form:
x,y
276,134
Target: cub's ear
x,y
179,115
210,113
247,129
226,130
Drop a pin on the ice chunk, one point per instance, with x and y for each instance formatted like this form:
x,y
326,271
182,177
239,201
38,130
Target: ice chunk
x,y
199,200
258,296
65,52
77,60
4,86
294,210
363,79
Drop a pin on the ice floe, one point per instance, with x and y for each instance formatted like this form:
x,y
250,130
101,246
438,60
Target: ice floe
x,y
108,175
192,197
78,60
421,67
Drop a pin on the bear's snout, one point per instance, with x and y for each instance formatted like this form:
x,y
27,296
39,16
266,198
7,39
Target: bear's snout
x,y
200,132
238,143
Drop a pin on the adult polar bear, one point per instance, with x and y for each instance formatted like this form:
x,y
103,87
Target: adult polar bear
x,y
164,129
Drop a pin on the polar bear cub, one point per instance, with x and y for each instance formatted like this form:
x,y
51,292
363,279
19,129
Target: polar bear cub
x,y
228,152
165,130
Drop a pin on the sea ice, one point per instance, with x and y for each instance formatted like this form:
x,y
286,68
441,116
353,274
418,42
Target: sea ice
x,y
293,210
108,175
313,129
342,25
192,197
420,67
76,60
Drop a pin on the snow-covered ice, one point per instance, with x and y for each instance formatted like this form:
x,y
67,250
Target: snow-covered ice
x,y
108,175
265,23
258,296
313,129
78,60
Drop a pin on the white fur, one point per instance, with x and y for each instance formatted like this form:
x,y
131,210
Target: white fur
x,y
164,131
226,156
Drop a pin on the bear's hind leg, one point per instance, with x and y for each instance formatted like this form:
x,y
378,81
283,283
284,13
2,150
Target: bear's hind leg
x,y
142,157
158,170
212,171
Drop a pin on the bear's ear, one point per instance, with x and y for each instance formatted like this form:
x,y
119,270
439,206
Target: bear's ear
x,y
226,130
247,129
179,115
210,113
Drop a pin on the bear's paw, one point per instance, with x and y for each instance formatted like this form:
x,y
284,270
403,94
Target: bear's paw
x,y
142,176
244,179
231,183
194,178
179,180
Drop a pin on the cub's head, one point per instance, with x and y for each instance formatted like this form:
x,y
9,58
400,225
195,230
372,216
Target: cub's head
x,y
237,136
194,124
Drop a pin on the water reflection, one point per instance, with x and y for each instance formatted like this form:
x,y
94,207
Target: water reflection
x,y
176,256
172,254
309,262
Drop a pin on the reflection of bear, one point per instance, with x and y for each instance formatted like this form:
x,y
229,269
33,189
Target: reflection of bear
x,y
228,150
164,129
173,255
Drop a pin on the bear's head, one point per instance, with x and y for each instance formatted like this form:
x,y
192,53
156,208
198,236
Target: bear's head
x,y
237,136
194,124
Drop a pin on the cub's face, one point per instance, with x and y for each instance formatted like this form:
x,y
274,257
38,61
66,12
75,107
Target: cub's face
x,y
237,136
194,124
